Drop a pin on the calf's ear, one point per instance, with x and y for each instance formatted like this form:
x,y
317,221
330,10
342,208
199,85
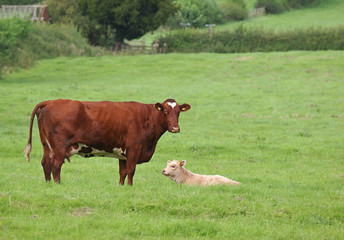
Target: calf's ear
x,y
184,107
159,106
182,163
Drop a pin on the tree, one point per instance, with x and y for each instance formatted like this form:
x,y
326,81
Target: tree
x,y
117,20
63,11
198,12
19,2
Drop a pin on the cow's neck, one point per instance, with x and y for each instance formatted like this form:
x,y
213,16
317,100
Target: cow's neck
x,y
183,176
156,128
159,125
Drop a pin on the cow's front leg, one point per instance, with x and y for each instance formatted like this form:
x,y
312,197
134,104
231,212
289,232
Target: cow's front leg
x,y
131,173
132,159
122,171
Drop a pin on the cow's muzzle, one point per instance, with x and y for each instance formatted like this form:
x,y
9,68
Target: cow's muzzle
x,y
174,130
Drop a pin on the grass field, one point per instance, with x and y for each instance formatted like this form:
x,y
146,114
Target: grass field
x,y
327,14
274,122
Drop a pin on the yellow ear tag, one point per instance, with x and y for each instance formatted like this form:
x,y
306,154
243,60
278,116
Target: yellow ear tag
x,y
183,109
159,108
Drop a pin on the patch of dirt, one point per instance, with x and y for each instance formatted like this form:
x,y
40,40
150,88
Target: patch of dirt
x,y
244,58
81,212
248,115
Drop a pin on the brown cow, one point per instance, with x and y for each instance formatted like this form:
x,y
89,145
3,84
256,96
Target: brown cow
x,y
128,131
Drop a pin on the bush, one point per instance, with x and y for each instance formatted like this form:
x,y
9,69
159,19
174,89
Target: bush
x,y
255,40
11,31
63,11
271,6
234,11
197,13
301,3
279,6
23,42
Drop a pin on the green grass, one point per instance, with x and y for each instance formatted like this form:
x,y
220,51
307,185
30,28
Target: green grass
x,y
274,122
328,14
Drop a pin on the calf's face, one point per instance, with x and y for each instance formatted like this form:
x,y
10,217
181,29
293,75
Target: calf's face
x,y
173,168
171,110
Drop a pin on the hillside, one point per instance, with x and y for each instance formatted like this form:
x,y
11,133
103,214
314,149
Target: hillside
x,y
329,14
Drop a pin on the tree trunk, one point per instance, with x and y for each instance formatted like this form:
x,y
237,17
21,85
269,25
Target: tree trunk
x,y
119,45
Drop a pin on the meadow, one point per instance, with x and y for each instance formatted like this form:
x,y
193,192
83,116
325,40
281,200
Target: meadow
x,y
326,14
272,121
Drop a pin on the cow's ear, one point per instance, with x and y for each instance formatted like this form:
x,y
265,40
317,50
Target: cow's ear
x,y
182,163
159,106
168,161
184,107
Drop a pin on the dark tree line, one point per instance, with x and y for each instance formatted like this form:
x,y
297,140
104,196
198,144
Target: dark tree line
x,y
19,2
108,22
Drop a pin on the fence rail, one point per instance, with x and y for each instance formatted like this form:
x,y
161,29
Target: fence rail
x,y
30,12
139,46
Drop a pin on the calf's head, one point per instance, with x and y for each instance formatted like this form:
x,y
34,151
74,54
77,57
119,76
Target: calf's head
x,y
170,110
173,168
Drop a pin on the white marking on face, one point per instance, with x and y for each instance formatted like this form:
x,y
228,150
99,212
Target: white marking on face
x,y
172,104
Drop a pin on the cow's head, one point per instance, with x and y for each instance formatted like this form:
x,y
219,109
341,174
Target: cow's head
x,y
170,110
173,168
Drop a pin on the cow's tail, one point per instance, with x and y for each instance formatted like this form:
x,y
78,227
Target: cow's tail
x,y
28,147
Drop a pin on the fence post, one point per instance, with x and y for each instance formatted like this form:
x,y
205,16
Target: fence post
x,y
210,27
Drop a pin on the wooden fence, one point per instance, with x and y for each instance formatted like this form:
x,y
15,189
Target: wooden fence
x,y
139,46
30,12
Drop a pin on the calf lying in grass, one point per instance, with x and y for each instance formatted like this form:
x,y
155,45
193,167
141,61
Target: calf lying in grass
x,y
175,170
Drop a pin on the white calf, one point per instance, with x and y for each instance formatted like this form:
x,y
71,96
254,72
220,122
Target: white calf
x,y
175,170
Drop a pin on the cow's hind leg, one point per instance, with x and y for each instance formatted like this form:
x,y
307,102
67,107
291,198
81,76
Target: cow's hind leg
x,y
122,171
57,161
46,163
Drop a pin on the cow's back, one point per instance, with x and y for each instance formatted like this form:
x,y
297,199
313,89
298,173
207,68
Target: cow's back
x,y
94,123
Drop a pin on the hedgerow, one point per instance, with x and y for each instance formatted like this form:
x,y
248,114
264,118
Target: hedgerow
x,y
243,39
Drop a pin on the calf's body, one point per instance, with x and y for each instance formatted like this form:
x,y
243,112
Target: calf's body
x,y
176,171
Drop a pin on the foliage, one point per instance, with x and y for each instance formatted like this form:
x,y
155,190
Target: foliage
x,y
11,31
234,10
20,2
23,42
271,6
278,6
198,12
273,121
63,11
121,19
243,39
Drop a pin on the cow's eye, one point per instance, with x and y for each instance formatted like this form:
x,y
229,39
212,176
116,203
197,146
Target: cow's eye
x,y
173,166
165,112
